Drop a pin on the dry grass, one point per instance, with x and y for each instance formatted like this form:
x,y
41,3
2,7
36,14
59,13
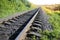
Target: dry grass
x,y
49,9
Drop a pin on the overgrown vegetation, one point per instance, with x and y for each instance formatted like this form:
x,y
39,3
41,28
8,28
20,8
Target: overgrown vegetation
x,y
33,38
9,7
55,22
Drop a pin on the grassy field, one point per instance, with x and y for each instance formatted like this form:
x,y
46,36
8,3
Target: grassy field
x,y
9,7
55,22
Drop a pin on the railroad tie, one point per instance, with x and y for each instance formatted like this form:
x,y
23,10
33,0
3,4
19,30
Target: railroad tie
x,y
6,23
34,33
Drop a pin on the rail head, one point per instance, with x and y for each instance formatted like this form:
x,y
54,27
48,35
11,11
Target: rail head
x,y
23,33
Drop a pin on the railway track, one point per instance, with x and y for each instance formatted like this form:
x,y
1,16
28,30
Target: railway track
x,y
24,26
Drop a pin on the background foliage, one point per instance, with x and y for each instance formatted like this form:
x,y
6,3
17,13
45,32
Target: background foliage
x,y
9,7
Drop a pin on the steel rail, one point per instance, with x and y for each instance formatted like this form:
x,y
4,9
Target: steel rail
x,y
23,33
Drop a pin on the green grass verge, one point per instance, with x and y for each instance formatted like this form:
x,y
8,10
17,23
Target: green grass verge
x,y
55,22
10,7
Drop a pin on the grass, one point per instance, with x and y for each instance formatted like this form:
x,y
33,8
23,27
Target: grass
x,y
55,22
10,7
33,38
47,10
50,11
